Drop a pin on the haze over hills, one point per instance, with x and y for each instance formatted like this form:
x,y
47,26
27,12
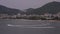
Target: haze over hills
x,y
51,7
9,11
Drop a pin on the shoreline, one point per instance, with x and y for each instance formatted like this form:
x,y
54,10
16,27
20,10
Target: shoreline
x,y
41,20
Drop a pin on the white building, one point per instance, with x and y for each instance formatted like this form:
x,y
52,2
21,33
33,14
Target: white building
x,y
58,14
3,15
18,15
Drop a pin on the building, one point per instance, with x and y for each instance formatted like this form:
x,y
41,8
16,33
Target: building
x,y
3,15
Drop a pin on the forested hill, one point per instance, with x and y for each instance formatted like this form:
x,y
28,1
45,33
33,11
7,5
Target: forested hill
x,y
51,7
10,11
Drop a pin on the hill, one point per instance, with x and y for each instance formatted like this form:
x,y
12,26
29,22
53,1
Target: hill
x,y
51,7
9,11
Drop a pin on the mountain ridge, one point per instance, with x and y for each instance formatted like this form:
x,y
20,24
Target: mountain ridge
x,y
51,7
9,11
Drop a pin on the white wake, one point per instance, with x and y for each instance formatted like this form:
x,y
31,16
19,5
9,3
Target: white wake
x,y
30,26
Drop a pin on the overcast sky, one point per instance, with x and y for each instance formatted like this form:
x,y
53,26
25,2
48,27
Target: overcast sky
x,y
24,4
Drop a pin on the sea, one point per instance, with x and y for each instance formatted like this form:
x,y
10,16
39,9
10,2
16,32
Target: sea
x,y
23,26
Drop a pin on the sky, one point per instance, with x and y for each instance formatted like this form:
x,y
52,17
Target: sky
x,y
24,4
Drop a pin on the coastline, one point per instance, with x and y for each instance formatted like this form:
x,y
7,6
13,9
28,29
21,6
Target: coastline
x,y
37,20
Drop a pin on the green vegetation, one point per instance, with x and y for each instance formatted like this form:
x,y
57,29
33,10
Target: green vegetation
x,y
34,18
51,7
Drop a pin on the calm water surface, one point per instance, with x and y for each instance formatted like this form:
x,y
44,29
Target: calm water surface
x,y
21,26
